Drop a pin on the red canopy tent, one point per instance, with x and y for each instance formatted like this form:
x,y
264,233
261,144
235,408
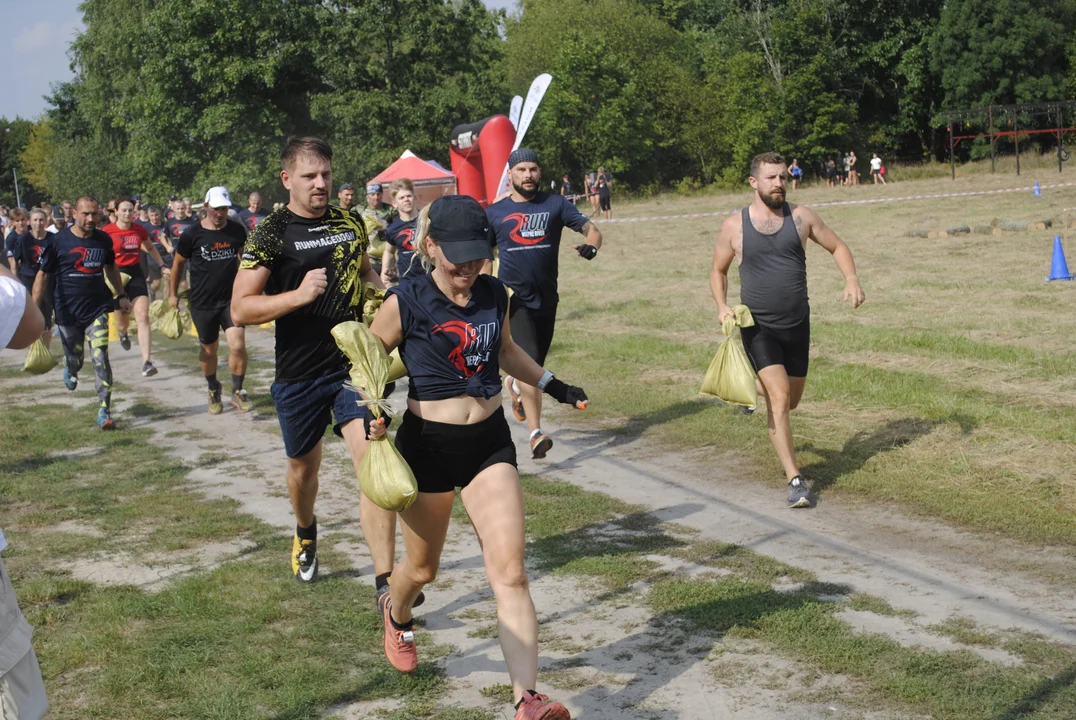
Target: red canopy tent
x,y
430,182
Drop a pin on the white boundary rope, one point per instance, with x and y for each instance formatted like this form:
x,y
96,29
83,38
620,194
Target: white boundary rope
x,y
835,203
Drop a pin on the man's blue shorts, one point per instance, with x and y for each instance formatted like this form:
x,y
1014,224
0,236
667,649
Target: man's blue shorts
x,y
305,407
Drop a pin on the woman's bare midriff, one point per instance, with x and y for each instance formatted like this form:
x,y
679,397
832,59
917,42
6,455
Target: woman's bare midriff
x,y
460,410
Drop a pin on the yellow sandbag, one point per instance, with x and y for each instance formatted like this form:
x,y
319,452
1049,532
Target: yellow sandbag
x,y
166,320
124,278
384,476
369,300
397,369
39,360
731,377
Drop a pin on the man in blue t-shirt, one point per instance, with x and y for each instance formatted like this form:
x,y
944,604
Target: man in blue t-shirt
x,y
400,236
79,257
528,225
253,213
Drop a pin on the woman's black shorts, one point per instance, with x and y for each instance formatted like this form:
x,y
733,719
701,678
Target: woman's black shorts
x,y
444,457
790,347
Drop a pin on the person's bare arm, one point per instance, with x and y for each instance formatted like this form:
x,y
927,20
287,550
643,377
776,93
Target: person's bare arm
x,y
113,274
388,259
41,285
251,307
724,254
824,236
387,324
367,274
150,248
32,323
593,235
178,264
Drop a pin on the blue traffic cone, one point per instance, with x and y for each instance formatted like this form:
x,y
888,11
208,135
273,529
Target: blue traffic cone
x,y
1037,190
1059,269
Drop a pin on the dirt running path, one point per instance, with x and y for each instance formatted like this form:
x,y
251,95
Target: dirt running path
x,y
620,667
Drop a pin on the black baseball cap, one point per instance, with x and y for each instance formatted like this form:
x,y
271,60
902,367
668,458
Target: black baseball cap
x,y
461,227
346,186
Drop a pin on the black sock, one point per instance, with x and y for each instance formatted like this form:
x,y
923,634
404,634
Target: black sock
x,y
402,627
308,533
237,383
382,580
214,384
532,692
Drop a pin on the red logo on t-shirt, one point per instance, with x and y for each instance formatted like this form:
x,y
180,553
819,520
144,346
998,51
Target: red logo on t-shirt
x,y
406,238
530,228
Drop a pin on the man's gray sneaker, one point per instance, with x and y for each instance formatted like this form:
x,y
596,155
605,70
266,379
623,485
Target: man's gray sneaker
x,y
125,341
799,496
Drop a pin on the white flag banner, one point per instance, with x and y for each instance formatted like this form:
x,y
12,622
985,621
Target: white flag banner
x,y
513,113
530,106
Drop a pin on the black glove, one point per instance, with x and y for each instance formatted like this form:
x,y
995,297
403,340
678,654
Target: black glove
x,y
587,252
567,394
366,423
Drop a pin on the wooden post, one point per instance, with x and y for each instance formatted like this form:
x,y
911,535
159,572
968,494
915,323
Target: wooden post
x,y
952,161
990,122
1059,137
1016,137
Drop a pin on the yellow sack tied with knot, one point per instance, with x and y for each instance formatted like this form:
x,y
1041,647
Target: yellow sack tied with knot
x,y
38,359
384,476
731,377
168,321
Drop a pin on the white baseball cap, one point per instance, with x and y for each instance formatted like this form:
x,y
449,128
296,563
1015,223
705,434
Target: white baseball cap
x,y
218,197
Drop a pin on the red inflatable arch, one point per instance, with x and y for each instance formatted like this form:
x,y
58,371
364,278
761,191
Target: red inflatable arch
x,y
479,152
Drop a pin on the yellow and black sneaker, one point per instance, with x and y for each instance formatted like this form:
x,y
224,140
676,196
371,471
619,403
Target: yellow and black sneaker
x,y
216,407
304,560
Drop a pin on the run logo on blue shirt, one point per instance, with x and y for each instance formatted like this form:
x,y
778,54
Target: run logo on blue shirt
x,y
528,240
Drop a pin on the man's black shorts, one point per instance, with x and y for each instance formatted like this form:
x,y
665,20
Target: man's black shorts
x,y
531,329
209,323
605,202
137,285
790,347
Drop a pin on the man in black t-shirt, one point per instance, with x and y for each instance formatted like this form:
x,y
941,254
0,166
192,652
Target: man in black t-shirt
x,y
304,267
79,257
212,246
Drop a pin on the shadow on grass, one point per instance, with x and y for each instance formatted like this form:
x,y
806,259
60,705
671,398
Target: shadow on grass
x,y
1046,691
677,639
866,444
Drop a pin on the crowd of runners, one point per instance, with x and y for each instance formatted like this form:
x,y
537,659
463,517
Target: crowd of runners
x,y
459,320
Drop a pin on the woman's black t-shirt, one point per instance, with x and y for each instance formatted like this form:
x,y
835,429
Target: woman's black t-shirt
x,y
451,350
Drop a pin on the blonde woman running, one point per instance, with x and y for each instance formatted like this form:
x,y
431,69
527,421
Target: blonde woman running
x,y
452,330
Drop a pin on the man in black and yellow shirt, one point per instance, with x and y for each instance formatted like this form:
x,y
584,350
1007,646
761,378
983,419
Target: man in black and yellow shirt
x,y
303,267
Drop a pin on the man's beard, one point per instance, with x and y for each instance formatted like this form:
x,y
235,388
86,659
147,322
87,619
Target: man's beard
x,y
524,192
771,202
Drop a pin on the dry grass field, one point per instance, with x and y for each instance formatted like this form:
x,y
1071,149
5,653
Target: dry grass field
x,y
949,392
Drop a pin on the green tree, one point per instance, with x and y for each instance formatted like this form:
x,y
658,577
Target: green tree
x,y
1001,51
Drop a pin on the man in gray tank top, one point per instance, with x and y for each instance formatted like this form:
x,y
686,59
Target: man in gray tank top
x,y
768,239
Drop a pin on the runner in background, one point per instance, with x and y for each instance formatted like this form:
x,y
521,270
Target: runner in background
x,y
18,222
28,249
253,213
528,226
384,215
213,246
79,258
128,242
768,239
400,236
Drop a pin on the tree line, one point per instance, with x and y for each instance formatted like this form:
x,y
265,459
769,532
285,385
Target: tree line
x,y
177,95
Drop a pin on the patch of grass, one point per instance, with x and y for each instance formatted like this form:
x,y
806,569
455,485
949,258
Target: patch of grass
x,y
955,684
967,631
500,692
879,606
484,632
240,640
745,563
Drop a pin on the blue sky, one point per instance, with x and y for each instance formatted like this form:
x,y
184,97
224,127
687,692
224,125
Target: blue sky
x,y
35,54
